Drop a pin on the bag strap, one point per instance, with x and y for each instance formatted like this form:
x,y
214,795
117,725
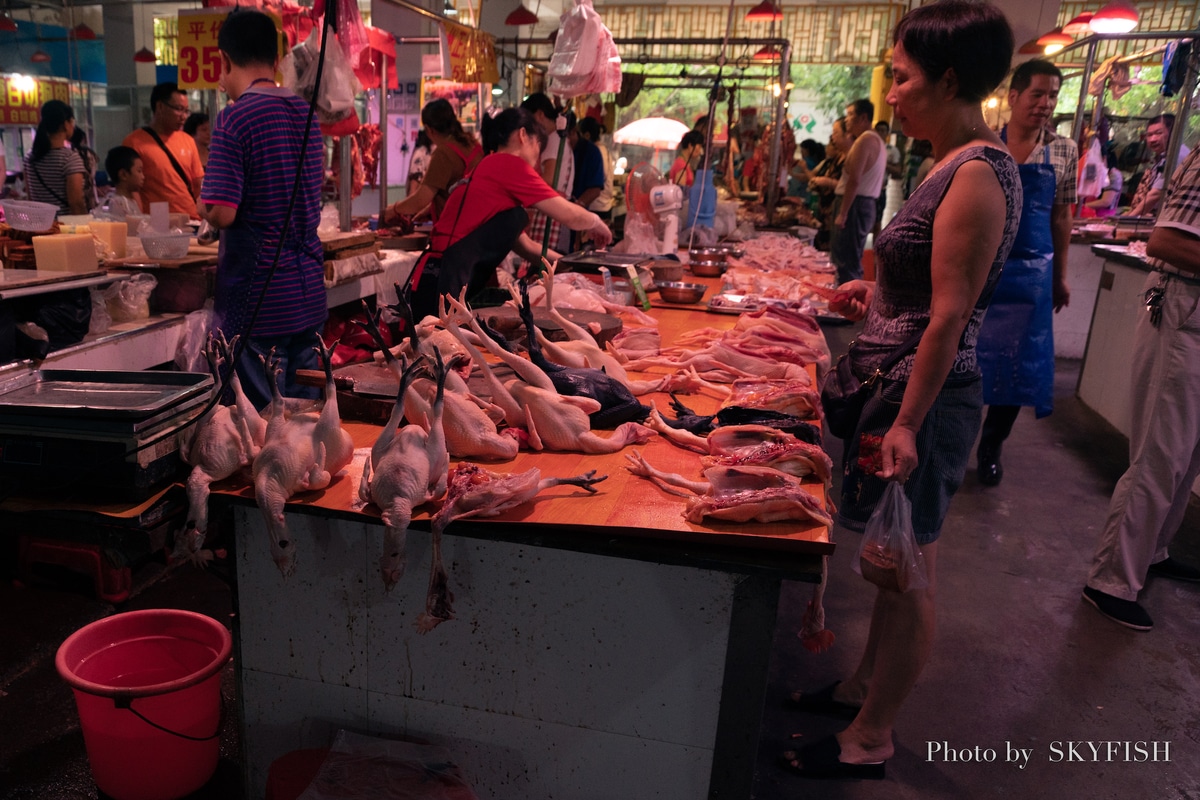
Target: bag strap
x,y
894,358
183,175
38,174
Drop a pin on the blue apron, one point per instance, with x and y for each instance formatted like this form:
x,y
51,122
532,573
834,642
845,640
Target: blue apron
x,y
1016,343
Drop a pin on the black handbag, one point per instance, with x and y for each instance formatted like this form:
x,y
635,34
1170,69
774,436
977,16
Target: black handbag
x,y
843,395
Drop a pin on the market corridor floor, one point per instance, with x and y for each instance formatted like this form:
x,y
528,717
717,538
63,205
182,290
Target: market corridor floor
x,y
1020,665
1019,659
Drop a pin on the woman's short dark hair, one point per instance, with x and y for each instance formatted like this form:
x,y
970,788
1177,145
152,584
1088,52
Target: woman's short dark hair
x,y
55,114
249,38
815,149
194,121
974,39
120,158
691,139
499,129
540,101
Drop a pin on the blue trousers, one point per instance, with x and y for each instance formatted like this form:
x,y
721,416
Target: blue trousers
x,y
294,351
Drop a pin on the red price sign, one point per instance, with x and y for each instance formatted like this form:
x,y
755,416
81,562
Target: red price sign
x,y
199,58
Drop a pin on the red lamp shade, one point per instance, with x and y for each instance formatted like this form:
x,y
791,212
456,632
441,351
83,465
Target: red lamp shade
x,y
40,57
1119,16
7,23
521,16
81,32
1032,48
1054,41
1079,25
766,11
767,53
145,56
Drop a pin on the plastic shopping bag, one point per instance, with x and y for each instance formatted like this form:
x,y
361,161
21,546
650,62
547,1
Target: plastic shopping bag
x,y
339,84
585,59
888,556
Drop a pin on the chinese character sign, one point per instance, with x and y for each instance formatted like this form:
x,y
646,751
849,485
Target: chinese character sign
x,y
199,58
21,99
472,55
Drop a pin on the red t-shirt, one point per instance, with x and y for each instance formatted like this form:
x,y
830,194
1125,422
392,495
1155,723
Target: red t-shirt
x,y
500,182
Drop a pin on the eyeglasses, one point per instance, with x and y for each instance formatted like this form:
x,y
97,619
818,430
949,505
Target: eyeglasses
x,y
177,109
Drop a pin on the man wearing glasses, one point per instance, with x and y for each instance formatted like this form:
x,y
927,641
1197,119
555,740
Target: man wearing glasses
x,y
169,156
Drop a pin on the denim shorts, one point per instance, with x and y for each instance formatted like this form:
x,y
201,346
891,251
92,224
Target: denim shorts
x,y
944,445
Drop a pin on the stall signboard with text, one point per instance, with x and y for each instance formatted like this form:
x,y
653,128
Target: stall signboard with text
x,y
21,97
472,54
199,58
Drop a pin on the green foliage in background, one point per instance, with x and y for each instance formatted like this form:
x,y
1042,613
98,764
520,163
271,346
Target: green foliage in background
x,y
833,85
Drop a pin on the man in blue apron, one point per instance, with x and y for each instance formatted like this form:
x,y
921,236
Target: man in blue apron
x,y
1016,343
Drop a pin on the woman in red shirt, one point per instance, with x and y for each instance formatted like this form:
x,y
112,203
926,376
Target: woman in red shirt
x,y
485,217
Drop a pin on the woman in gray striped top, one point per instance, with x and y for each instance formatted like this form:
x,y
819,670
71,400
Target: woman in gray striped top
x,y
54,172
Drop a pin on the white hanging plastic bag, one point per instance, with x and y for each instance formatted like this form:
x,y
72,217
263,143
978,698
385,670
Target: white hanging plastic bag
x,y
585,59
339,84
889,556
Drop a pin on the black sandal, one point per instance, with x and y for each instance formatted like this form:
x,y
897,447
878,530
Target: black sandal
x,y
821,760
821,702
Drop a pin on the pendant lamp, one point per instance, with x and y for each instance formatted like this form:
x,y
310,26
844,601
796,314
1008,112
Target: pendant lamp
x,y
766,11
40,56
1119,16
81,32
145,56
767,53
1079,25
7,23
1054,41
521,16
1032,48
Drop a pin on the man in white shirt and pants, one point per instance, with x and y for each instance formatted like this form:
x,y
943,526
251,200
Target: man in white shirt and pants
x,y
858,191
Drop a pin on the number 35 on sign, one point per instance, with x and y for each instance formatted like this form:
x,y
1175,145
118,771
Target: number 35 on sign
x,y
199,58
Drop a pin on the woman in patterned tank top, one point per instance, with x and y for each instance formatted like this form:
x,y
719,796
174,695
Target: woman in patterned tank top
x,y
937,262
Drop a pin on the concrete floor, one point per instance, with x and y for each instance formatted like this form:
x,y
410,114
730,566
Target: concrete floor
x,y
1019,659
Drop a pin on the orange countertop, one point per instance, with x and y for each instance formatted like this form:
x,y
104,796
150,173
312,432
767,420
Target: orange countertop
x,y
625,506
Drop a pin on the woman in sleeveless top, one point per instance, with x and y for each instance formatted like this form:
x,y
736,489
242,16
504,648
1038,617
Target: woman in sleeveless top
x,y
937,263
456,154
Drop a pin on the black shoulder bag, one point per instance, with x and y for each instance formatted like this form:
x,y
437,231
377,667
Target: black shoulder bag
x,y
179,169
843,395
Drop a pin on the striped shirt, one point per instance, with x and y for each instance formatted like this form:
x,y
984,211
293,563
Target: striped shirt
x,y
46,180
251,167
1181,209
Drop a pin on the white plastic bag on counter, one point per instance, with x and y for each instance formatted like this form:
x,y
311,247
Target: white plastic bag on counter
x,y
189,355
129,299
585,59
101,320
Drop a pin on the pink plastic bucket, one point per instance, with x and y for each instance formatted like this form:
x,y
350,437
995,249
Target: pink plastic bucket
x,y
148,688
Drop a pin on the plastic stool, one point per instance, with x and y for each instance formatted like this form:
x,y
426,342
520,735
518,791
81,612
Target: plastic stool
x,y
113,584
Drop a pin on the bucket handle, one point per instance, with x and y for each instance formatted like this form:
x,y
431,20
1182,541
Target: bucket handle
x,y
126,702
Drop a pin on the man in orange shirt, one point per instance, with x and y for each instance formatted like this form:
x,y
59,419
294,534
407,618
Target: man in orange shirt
x,y
169,156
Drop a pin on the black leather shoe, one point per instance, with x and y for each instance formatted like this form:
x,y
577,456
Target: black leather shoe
x,y
990,469
1123,612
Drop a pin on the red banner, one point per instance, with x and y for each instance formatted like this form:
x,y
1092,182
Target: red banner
x,y
21,98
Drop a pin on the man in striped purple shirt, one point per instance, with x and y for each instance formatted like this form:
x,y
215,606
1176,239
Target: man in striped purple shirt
x,y
253,162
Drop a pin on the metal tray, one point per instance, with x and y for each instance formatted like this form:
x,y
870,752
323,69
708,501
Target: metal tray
x,y
593,260
87,394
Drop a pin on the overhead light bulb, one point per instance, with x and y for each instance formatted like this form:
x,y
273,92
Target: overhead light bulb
x,y
1119,16
1054,41
993,102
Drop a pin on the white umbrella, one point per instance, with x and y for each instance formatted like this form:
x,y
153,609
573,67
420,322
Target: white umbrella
x,y
660,133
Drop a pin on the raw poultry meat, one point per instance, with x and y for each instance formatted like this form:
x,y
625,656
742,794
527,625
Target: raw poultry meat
x,y
302,451
773,252
760,446
797,398
553,420
470,433
581,350
576,291
225,440
407,468
701,424
738,494
475,492
632,343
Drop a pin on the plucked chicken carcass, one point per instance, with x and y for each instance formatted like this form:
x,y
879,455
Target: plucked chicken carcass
x,y
796,398
738,494
554,421
223,442
407,468
302,451
475,492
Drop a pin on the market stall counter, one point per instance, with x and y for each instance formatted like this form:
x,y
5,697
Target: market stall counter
x,y
603,645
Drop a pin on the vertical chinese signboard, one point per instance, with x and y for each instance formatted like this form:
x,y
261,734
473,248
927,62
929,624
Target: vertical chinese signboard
x,y
21,98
